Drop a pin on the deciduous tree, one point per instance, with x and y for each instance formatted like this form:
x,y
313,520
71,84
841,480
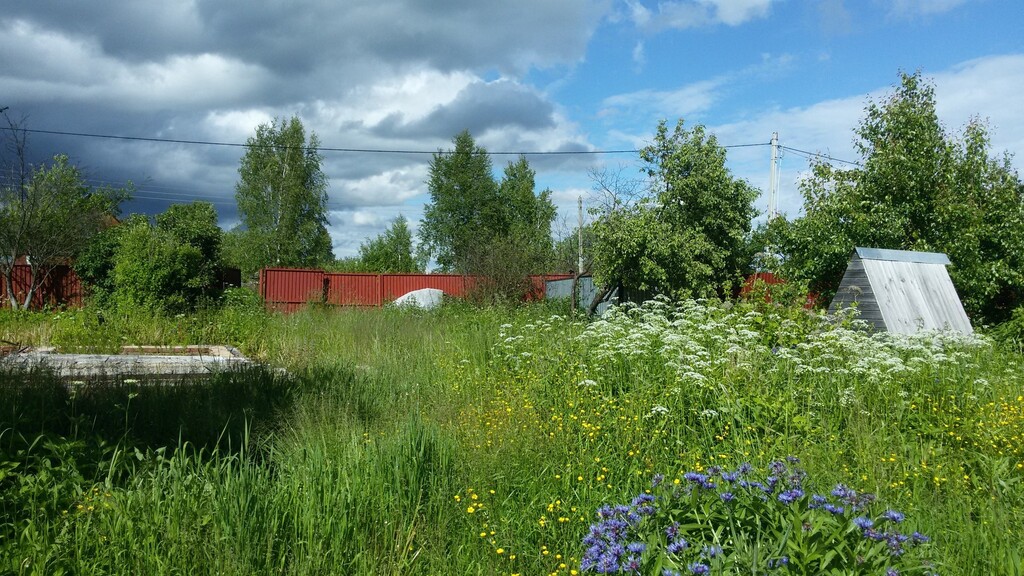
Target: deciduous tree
x,y
282,198
917,188
171,266
475,224
48,218
463,211
684,234
391,251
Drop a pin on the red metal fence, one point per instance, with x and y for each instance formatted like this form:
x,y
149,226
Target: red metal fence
x,y
288,289
62,288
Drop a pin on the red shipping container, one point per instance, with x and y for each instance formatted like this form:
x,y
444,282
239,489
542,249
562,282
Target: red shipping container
x,y
354,289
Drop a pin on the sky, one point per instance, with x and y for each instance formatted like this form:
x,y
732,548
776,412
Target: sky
x,y
590,77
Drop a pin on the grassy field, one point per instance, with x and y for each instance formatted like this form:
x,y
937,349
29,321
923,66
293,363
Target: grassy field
x,y
485,441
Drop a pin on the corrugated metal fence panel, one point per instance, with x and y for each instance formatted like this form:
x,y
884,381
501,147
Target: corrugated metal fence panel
x,y
354,289
291,286
538,284
396,285
287,289
65,287
562,288
62,288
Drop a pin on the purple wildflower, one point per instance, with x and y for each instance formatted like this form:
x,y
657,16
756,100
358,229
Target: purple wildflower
x,y
893,516
833,509
672,531
699,568
863,522
677,546
726,496
643,499
695,477
790,496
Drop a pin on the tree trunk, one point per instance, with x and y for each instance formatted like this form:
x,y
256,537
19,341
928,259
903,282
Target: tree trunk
x,y
9,287
598,297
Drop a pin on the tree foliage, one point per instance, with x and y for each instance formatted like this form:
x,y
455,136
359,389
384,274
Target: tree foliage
x,y
684,233
463,209
282,199
171,266
477,225
917,188
48,217
391,251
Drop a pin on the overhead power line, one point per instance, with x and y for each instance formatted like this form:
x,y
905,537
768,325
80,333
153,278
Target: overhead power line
x,y
819,155
335,149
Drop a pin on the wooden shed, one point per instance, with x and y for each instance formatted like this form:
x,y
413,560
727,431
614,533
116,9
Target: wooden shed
x,y
901,291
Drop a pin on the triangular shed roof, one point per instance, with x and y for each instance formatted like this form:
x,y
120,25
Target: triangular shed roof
x,y
901,291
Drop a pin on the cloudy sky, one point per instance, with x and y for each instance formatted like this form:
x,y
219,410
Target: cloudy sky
x,y
525,76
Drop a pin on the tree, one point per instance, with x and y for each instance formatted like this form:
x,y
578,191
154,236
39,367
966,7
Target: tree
x,y
685,234
527,216
391,251
48,217
171,266
476,225
463,211
916,188
282,198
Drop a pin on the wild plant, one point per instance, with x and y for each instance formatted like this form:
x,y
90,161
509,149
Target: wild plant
x,y
733,522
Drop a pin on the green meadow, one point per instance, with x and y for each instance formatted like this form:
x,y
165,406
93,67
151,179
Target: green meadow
x,y
475,440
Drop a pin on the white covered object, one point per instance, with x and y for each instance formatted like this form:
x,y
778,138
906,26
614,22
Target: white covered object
x,y
425,298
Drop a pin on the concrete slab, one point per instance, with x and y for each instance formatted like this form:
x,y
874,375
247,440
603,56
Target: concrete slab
x,y
144,361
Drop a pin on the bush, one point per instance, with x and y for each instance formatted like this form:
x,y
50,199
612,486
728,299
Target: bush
x,y
1011,332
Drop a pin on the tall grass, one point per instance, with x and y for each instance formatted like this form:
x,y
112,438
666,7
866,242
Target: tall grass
x,y
481,441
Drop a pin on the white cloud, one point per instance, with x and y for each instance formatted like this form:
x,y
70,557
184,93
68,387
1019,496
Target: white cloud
x,y
639,57
682,101
683,14
736,12
980,87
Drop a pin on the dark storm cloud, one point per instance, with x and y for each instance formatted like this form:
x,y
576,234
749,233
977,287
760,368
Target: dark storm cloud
x,y
300,36
214,69
478,107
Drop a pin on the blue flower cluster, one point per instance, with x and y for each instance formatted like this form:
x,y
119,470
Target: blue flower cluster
x,y
608,548
623,540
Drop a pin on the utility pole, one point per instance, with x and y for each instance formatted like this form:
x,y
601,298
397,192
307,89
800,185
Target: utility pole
x,y
579,233
773,186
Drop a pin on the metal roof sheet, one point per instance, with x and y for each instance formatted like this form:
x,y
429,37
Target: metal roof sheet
x,y
913,296
902,256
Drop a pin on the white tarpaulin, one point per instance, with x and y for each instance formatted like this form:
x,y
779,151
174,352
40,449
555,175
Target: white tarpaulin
x,y
425,298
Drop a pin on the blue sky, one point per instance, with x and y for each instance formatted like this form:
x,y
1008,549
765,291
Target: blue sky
x,y
530,76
